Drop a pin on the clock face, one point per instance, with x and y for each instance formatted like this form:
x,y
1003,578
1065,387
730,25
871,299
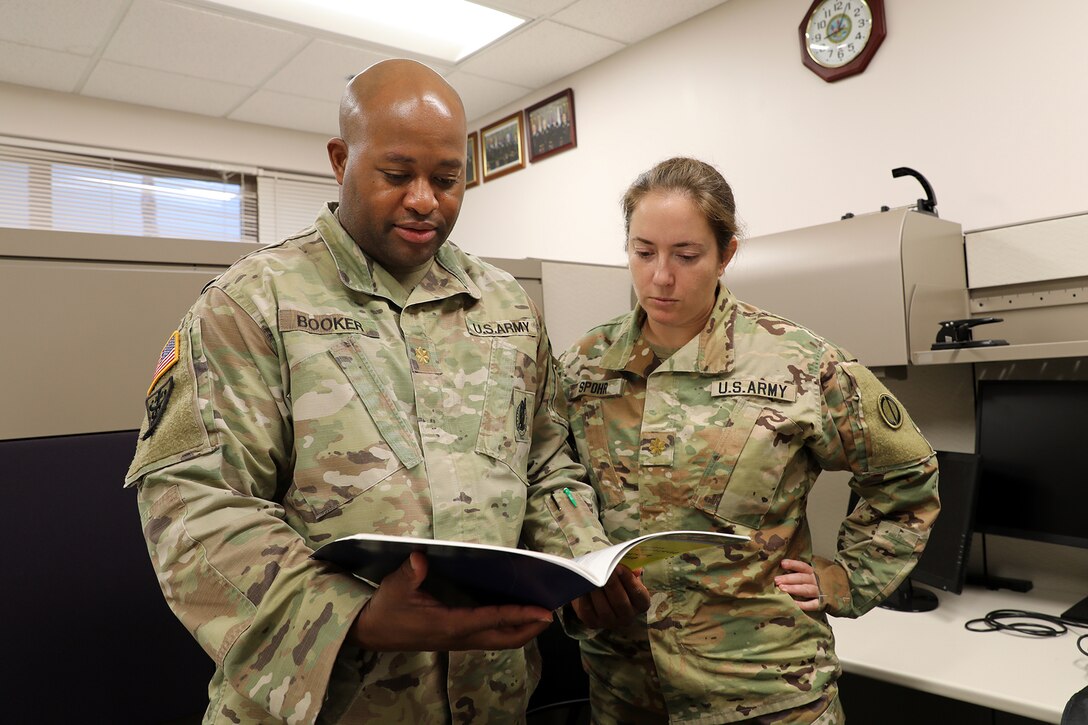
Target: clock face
x,y
838,31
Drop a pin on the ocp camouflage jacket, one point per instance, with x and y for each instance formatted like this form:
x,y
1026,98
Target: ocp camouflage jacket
x,y
310,400
729,434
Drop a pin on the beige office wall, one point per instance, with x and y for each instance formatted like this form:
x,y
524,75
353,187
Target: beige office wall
x,y
998,133
33,113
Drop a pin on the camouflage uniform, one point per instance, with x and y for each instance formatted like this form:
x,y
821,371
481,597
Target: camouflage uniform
x,y
729,434
311,400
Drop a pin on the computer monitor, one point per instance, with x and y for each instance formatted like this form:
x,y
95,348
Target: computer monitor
x,y
943,563
1032,435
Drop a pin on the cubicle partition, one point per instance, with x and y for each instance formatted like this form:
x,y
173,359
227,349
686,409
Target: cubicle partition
x,y
90,637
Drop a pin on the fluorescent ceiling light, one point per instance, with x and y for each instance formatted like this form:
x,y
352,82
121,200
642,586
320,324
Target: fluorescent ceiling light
x,y
445,29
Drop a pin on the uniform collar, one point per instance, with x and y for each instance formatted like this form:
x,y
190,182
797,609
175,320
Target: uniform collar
x,y
358,272
710,352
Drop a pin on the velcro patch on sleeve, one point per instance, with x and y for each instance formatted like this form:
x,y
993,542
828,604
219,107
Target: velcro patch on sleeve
x,y
172,427
892,436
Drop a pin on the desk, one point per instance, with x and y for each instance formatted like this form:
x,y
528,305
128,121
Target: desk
x,y
931,651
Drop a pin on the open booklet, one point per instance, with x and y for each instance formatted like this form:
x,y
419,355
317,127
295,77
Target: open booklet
x,y
464,574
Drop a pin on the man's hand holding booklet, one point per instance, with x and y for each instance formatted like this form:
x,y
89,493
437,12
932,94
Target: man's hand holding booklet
x,y
465,574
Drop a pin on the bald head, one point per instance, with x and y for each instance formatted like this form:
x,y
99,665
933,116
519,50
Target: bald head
x,y
397,86
400,162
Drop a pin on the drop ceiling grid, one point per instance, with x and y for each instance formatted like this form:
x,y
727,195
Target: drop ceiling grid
x,y
191,56
195,42
173,91
63,25
541,54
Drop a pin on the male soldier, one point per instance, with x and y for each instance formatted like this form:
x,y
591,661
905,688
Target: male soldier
x,y
363,376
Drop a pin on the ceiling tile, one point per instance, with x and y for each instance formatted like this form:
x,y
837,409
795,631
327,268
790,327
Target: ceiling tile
x,y
540,55
322,70
192,56
71,27
526,8
281,109
200,43
630,21
483,95
41,68
130,84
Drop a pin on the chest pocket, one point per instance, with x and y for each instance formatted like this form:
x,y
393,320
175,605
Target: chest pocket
x,y
350,433
749,459
506,421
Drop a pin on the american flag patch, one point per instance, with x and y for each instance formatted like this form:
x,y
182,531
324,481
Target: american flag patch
x,y
166,360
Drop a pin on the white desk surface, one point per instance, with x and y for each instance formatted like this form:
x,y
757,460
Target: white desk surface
x,y
931,651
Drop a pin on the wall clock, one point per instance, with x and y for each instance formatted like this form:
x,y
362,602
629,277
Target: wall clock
x,y
840,37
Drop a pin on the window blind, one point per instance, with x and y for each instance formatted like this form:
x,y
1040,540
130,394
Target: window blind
x,y
289,203
50,189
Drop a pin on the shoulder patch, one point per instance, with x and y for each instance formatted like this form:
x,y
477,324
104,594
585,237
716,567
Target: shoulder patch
x,y
890,411
891,436
156,406
173,427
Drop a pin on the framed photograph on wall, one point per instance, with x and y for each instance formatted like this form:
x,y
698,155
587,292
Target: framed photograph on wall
x,y
551,125
502,147
472,161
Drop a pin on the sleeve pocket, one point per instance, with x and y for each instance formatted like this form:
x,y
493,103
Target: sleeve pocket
x,y
207,604
183,431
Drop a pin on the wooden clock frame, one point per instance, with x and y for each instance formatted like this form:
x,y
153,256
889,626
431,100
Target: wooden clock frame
x,y
858,64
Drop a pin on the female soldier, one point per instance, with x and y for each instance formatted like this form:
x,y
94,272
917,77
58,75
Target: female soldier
x,y
709,413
